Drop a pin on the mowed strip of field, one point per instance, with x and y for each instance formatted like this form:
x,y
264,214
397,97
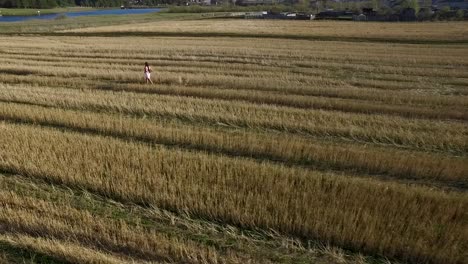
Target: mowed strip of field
x,y
357,145
442,136
307,204
438,32
124,232
438,169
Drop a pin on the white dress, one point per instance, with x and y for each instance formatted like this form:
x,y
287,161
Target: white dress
x,y
147,72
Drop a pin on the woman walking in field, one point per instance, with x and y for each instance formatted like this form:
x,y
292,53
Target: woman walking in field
x,y
148,73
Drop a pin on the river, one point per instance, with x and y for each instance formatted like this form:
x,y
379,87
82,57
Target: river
x,y
81,13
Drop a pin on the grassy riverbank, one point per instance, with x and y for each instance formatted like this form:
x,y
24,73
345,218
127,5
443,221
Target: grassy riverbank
x,y
34,11
67,23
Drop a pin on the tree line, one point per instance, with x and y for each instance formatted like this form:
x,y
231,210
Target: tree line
x,y
91,3
34,3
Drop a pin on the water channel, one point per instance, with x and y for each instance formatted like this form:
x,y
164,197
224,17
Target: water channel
x,y
80,13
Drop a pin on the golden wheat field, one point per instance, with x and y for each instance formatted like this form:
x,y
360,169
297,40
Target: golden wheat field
x,y
253,146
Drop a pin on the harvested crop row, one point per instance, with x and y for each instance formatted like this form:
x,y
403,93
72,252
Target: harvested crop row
x,y
418,134
171,87
319,84
243,46
62,223
386,174
419,57
412,31
346,99
333,65
184,86
448,106
199,63
292,150
371,216
274,58
225,241
313,77
52,251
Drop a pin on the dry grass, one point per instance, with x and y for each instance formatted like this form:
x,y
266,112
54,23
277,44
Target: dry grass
x,y
247,193
216,243
70,233
440,30
63,251
408,133
355,144
290,150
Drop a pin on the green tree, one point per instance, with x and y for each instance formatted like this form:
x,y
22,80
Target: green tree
x,y
7,3
460,14
410,4
425,14
303,5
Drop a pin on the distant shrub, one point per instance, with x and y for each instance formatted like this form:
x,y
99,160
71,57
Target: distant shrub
x,y
425,14
460,14
447,14
232,8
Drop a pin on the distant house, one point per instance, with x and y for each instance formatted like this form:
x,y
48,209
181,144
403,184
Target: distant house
x,y
254,14
199,2
369,12
360,17
332,14
259,2
273,15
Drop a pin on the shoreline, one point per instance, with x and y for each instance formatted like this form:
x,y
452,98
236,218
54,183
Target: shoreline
x,y
9,12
